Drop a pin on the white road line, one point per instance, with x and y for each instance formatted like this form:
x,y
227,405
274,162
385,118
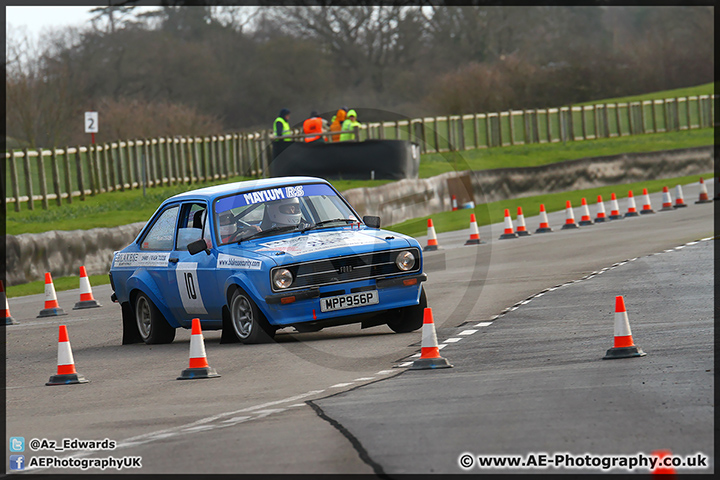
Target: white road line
x,y
453,340
405,364
384,372
467,332
363,379
237,419
144,438
341,385
487,324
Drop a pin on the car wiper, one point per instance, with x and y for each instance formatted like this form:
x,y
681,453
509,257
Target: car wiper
x,y
324,222
262,233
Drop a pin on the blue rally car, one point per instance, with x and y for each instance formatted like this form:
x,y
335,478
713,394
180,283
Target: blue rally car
x,y
253,257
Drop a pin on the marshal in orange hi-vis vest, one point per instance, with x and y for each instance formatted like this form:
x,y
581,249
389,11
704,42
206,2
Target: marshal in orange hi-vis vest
x,y
312,125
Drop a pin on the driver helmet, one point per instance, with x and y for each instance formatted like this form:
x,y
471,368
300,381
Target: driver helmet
x,y
227,224
284,212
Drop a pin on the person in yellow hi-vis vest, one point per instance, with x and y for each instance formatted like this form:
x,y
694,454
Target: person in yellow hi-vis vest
x,y
349,124
281,127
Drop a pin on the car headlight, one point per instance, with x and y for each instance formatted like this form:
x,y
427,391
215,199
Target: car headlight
x,y
282,278
405,261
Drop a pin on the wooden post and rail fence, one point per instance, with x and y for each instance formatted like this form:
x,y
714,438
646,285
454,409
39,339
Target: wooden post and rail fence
x,y
54,175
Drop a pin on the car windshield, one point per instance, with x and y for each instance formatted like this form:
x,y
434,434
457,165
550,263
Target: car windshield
x,y
274,211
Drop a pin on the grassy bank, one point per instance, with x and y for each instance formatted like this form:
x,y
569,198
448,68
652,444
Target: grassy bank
x,y
458,220
121,208
494,212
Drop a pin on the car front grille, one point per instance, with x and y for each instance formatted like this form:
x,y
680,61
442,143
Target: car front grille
x,y
346,269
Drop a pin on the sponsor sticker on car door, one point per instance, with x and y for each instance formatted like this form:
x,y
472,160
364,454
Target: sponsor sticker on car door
x,y
189,289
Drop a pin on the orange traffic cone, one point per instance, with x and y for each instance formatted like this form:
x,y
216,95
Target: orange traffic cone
x,y
679,201
544,226
703,193
454,203
521,230
52,309
509,232
600,217
632,209
667,200
585,218
432,243
647,208
660,468
623,346
474,233
9,320
429,351
614,208
569,217
86,296
199,367
66,373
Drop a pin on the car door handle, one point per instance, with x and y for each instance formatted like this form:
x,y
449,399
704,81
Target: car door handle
x,y
173,259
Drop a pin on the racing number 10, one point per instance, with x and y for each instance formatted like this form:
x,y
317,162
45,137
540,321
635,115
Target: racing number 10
x,y
190,285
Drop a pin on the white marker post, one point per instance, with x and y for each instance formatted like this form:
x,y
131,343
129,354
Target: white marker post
x,y
91,124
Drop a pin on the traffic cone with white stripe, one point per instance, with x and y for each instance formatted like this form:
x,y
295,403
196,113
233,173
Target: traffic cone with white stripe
x,y
614,208
667,200
432,243
509,232
429,351
9,320
474,233
52,309
679,200
600,217
647,208
623,347
86,297
454,203
585,218
521,230
632,209
569,217
66,373
544,226
199,367
703,193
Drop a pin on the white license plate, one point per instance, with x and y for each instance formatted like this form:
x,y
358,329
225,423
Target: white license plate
x,y
352,300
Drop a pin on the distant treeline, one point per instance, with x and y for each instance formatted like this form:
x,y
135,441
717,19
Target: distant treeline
x,y
199,70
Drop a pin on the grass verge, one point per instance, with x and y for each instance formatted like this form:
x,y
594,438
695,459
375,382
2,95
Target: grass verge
x,y
448,221
494,212
118,208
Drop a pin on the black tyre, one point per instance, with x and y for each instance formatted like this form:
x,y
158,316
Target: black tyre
x,y
247,321
408,319
151,324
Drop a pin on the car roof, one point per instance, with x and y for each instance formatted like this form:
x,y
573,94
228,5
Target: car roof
x,y
246,186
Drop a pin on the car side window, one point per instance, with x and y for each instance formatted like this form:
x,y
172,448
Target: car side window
x,y
192,224
160,236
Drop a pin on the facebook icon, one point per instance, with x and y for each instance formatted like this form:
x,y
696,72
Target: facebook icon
x,y
17,462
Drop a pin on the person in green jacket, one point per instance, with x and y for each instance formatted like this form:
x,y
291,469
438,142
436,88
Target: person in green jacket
x,y
281,127
349,124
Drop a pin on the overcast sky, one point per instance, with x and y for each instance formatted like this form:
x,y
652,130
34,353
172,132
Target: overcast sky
x,y
39,18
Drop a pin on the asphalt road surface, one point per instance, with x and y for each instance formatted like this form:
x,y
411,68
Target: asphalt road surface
x,y
529,379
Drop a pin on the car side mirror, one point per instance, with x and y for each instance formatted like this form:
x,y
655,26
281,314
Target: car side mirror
x,y
198,246
371,221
